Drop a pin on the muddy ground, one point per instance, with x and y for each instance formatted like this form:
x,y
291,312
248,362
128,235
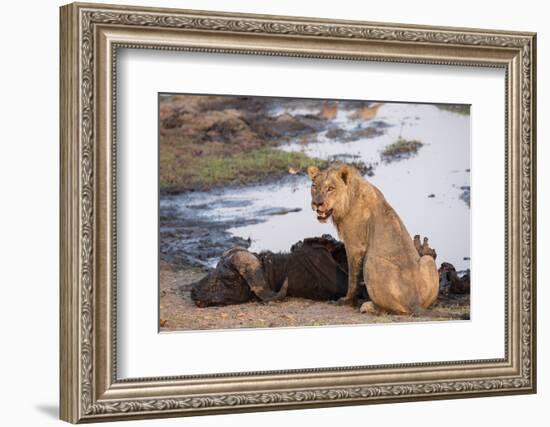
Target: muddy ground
x,y
210,141
178,312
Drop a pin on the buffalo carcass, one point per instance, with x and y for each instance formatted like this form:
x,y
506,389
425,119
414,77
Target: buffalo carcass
x,y
315,268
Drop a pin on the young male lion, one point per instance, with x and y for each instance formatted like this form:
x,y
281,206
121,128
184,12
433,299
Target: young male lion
x,y
397,278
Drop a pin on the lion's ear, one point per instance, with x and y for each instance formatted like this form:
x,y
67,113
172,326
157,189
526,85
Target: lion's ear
x,y
312,171
345,173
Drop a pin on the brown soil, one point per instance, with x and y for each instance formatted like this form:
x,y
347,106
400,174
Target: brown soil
x,y
209,141
197,131
178,312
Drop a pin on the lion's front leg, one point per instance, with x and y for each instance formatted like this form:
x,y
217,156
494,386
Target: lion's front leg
x,y
354,268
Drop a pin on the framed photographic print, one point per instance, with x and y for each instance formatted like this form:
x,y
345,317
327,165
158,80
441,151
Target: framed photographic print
x,y
266,212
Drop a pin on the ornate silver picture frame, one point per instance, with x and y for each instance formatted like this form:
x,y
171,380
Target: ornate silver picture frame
x,y
91,36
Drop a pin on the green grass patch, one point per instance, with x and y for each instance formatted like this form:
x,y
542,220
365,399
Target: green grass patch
x,y
401,148
207,171
455,108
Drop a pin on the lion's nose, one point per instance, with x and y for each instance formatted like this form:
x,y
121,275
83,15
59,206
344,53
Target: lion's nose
x,y
318,205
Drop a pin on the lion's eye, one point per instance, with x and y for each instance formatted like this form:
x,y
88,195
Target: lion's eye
x,y
330,189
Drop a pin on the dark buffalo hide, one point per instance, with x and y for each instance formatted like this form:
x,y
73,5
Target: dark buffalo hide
x,y
315,268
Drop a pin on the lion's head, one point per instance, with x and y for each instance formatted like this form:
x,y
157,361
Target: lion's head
x,y
330,190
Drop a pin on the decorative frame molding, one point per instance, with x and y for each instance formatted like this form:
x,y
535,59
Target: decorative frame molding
x,y
90,37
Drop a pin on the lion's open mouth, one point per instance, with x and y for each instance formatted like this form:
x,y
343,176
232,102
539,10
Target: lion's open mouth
x,y
323,216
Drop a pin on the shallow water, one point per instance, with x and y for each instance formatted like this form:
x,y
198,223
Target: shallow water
x,y
440,168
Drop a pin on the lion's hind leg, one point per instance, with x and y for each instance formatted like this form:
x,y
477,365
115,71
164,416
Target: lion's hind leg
x,y
428,281
387,287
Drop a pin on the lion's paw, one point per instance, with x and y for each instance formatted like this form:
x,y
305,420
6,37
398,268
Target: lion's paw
x,y
368,308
